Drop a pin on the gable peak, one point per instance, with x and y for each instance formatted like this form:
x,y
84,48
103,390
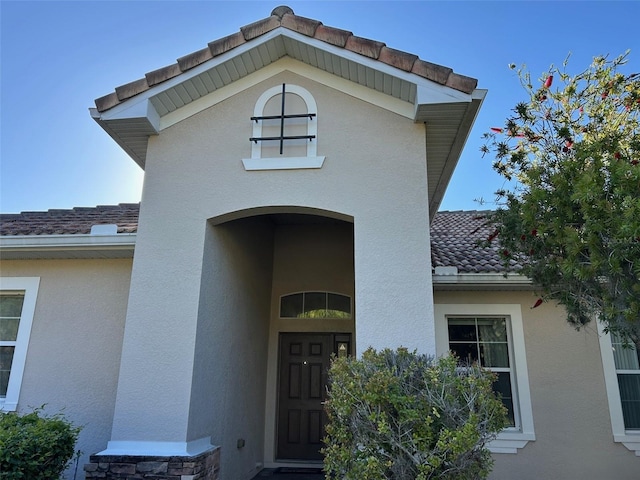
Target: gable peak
x,y
281,11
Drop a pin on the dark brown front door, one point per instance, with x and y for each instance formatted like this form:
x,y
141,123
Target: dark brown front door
x,y
304,363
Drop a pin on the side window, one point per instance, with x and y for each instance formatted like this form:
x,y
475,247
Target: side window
x,y
17,306
626,359
493,336
284,130
485,341
621,366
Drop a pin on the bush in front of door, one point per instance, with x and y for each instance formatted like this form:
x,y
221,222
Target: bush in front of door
x,y
400,415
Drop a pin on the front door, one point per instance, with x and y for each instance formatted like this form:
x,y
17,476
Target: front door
x,y
304,363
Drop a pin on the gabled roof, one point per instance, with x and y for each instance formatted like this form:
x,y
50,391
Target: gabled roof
x,y
445,101
284,17
454,235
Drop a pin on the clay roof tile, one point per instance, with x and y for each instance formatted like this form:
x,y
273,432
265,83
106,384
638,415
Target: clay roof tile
x,y
303,25
364,46
284,16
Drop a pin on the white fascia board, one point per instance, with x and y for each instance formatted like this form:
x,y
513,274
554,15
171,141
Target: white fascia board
x,y
138,108
121,241
482,279
433,94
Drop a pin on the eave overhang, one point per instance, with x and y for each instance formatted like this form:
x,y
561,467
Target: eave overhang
x,y
481,281
31,247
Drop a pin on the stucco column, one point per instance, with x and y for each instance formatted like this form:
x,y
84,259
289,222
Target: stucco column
x,y
156,368
394,293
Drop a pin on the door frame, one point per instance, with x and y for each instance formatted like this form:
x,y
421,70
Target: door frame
x,y
277,326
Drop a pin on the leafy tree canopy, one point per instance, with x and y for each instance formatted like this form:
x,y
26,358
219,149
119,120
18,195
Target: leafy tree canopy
x,y
570,214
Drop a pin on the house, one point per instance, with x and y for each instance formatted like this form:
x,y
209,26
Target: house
x,y
293,174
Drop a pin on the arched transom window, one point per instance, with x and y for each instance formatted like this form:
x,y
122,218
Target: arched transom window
x,y
315,305
284,131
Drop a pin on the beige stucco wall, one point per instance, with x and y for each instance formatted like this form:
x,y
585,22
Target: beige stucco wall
x,y
227,400
75,344
194,173
573,432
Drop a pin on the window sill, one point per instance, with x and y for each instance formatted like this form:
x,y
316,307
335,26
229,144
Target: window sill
x,y
510,442
282,163
631,440
8,406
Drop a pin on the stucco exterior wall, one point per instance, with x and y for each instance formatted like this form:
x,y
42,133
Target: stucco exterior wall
x,y
75,344
574,438
227,401
194,173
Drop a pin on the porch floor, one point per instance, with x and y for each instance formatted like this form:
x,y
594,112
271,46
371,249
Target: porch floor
x,y
289,474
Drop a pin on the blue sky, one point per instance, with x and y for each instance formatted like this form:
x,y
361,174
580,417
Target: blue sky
x,y
57,57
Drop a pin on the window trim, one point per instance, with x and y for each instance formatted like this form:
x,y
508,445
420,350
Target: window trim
x,y
28,285
311,160
510,440
629,438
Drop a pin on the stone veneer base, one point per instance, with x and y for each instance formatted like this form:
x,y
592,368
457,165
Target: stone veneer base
x,y
204,466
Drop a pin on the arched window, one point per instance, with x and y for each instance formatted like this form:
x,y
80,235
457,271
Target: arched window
x,y
285,129
315,305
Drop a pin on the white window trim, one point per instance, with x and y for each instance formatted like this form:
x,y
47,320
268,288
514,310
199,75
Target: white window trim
x,y
258,162
510,440
28,285
629,438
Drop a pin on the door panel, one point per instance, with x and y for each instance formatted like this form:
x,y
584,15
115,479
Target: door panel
x,y
304,363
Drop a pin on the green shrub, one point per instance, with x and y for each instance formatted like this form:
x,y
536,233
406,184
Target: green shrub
x,y
399,415
35,446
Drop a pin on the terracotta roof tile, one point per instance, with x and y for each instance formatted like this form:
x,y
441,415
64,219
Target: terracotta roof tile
x,y
222,45
432,71
364,46
194,59
462,83
396,58
454,235
305,26
333,36
284,17
132,89
106,102
160,75
260,27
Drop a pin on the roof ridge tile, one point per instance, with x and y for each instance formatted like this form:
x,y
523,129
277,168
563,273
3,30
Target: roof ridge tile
x,y
431,71
224,44
187,62
397,58
305,26
364,46
332,35
132,89
260,27
283,16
